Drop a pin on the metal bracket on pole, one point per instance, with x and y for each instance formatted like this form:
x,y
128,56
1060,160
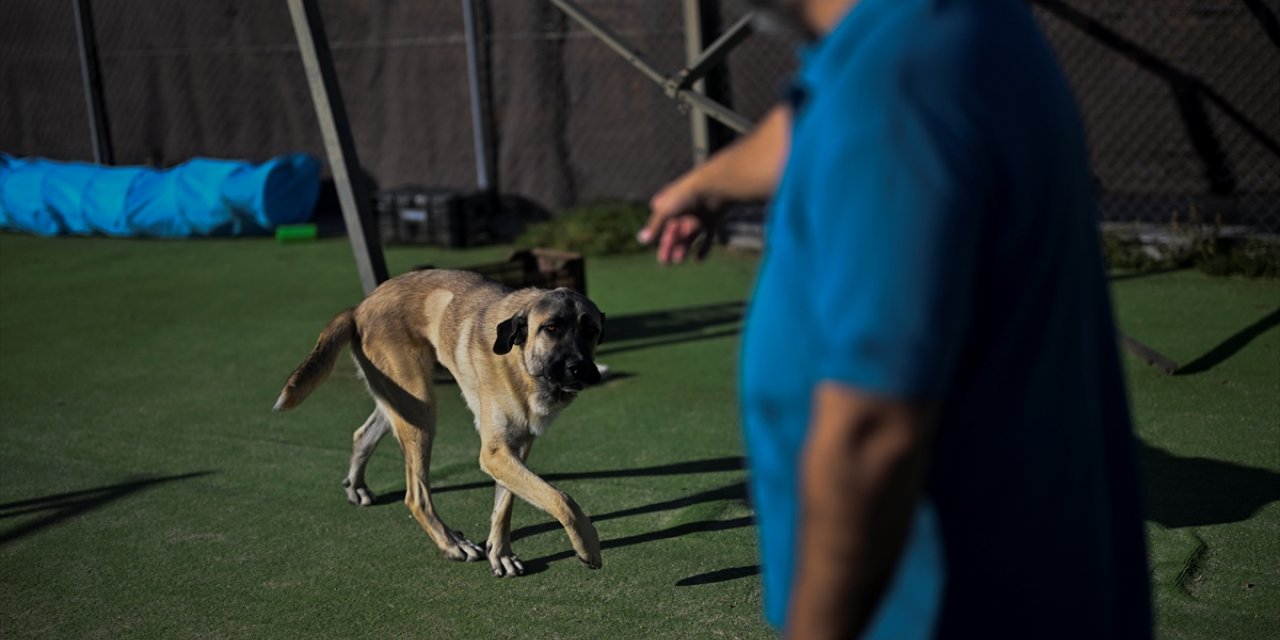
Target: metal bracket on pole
x,y
91,74
339,146
712,55
671,85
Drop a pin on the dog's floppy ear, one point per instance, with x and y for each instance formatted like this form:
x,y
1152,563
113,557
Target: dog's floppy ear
x,y
511,332
600,338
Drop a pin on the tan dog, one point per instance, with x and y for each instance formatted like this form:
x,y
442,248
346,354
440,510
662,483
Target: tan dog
x,y
520,357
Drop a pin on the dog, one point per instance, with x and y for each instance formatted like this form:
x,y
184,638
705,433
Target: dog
x,y
519,356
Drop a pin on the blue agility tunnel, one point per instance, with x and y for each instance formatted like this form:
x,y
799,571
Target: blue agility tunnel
x,y
201,197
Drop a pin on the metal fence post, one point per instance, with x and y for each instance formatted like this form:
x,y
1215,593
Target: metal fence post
x,y
336,129
90,72
698,130
479,133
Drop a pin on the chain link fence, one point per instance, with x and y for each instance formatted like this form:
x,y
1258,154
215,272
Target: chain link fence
x,y
1181,100
42,106
1179,96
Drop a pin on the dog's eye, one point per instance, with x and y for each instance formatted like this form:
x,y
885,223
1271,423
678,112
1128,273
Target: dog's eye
x,y
550,327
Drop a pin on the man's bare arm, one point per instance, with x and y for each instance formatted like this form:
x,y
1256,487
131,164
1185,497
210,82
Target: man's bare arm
x,y
863,472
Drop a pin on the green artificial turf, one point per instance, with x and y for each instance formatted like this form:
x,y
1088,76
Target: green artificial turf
x,y
1211,448
147,490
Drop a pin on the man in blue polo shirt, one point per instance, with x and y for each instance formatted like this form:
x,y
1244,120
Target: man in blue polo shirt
x,y
934,412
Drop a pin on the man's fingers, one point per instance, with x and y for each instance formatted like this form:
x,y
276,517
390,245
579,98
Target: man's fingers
x,y
645,235
678,254
687,229
657,218
661,208
677,198
678,237
670,239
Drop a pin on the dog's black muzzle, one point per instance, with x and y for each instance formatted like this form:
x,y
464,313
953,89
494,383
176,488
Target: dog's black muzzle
x,y
574,374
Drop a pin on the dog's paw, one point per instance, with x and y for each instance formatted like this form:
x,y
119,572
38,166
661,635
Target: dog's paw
x,y
358,494
505,564
591,561
460,549
588,552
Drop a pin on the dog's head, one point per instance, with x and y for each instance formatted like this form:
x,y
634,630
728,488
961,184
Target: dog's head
x,y
557,335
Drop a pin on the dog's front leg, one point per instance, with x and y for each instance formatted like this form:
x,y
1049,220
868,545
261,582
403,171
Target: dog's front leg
x,y
501,461
502,558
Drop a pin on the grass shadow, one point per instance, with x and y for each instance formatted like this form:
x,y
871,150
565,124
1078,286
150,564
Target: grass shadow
x,y
1230,346
671,326
720,575
734,491
1188,492
709,465
540,564
63,506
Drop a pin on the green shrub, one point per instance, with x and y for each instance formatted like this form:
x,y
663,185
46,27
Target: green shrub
x,y
1193,243
594,229
1249,257
1129,253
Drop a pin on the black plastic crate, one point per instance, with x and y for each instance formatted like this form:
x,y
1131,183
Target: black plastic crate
x,y
432,216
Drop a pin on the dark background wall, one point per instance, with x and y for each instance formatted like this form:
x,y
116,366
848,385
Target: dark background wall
x,y
1181,97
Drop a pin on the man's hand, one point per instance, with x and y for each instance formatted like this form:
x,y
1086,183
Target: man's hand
x,y
685,212
682,219
863,472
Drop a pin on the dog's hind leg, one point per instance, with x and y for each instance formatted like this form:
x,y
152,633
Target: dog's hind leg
x,y
399,375
502,559
364,441
416,442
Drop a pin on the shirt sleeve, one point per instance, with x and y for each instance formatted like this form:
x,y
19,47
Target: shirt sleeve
x,y
897,222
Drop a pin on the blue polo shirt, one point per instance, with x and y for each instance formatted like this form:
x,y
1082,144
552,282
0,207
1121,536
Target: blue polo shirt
x,y
934,240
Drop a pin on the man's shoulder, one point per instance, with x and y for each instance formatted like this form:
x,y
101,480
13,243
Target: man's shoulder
x,y
929,45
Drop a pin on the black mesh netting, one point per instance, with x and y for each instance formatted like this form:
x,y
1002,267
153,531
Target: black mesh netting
x,y
1180,97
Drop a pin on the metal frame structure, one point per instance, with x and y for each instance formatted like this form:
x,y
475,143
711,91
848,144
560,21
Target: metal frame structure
x,y
685,86
679,86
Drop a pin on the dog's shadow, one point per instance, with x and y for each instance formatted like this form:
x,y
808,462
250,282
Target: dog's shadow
x,y
734,491
710,465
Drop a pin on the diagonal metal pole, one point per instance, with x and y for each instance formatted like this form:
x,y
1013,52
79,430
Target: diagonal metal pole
x,y
339,146
713,109
701,61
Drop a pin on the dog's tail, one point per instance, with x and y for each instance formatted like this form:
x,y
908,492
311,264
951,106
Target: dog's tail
x,y
319,362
